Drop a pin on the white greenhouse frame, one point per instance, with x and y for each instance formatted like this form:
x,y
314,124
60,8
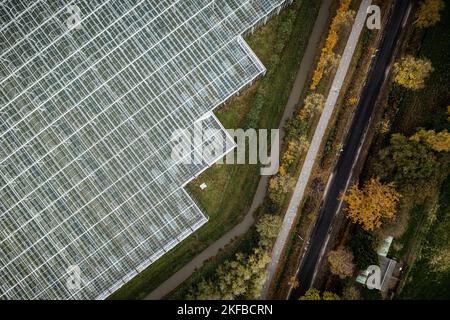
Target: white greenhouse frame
x,y
86,117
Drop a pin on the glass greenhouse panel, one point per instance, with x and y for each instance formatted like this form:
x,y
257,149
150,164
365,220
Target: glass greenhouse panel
x,y
91,94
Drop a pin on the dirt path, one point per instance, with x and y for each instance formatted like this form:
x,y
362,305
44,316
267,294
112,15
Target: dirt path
x,y
308,58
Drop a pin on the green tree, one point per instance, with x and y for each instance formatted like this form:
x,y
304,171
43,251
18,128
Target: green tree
x,y
257,263
362,244
440,259
233,277
268,227
411,72
327,295
311,294
296,126
314,294
345,19
238,278
206,290
429,13
411,164
279,186
439,142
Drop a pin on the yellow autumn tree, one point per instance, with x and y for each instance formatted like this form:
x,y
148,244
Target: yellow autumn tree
x,y
429,13
439,141
412,72
384,126
294,148
352,101
331,62
330,42
303,143
279,186
345,18
314,102
341,262
290,153
369,206
282,170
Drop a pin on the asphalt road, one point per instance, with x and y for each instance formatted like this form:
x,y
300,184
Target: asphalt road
x,y
352,147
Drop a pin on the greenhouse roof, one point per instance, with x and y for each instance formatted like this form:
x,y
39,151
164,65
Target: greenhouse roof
x,y
87,110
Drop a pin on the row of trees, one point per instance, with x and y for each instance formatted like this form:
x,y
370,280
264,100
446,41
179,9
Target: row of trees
x,y
243,276
349,293
240,278
412,161
297,141
297,144
314,294
328,58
